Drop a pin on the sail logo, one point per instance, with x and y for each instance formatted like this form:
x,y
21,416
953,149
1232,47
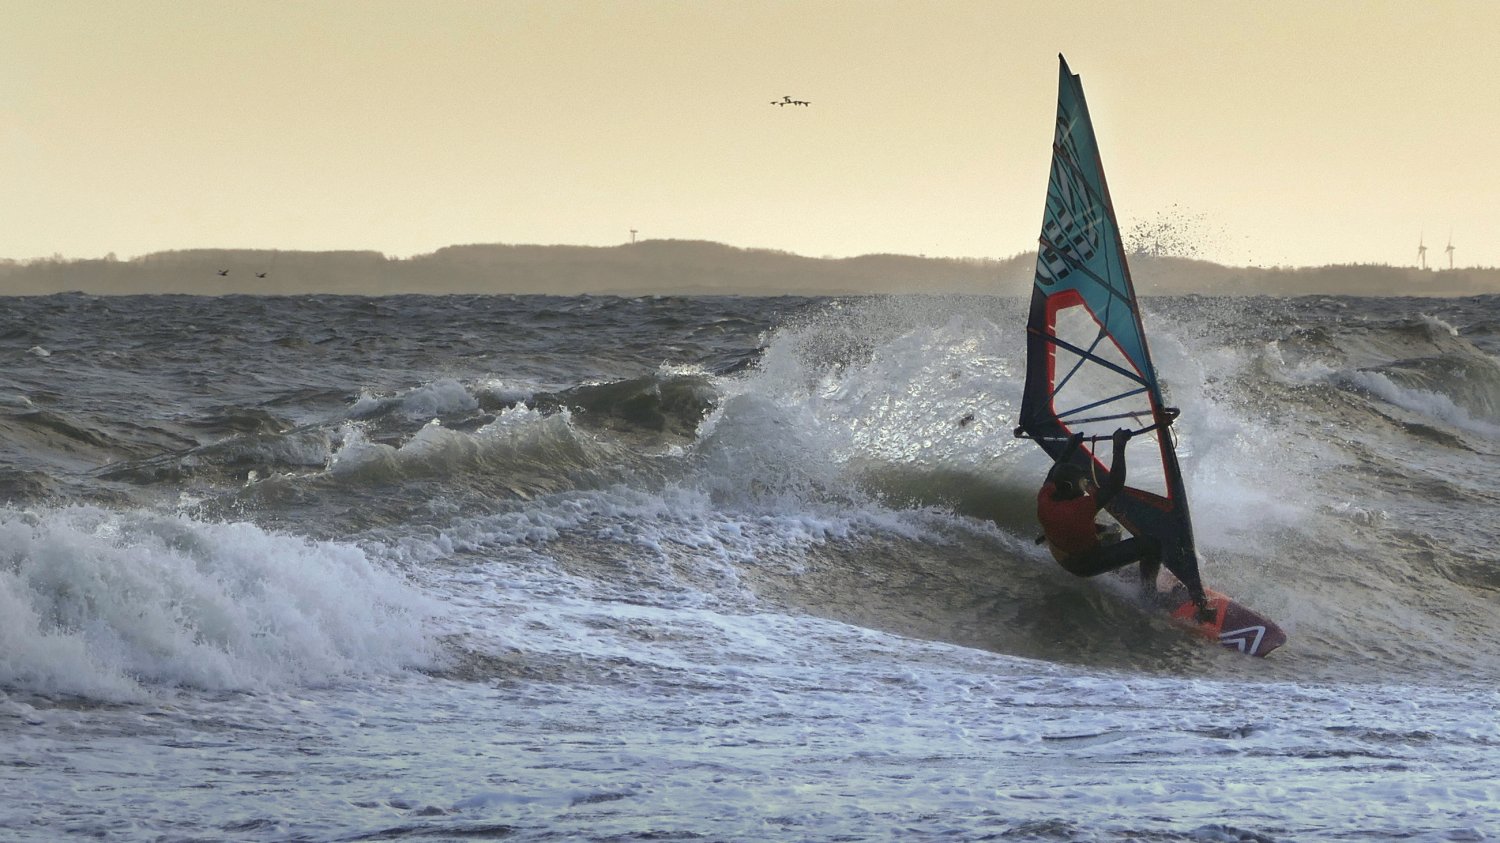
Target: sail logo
x,y
1070,229
1246,640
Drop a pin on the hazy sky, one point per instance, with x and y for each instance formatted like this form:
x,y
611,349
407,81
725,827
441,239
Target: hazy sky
x,y
1283,132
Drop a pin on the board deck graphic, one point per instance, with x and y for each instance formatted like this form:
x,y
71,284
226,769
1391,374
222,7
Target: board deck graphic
x,y
1235,626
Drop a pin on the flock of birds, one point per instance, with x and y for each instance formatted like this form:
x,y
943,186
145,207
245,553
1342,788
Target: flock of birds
x,y
224,273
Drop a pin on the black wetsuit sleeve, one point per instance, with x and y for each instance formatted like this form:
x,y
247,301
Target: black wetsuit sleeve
x,y
1074,442
1116,480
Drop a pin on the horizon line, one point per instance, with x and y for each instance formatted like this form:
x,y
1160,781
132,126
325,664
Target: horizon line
x,y
58,257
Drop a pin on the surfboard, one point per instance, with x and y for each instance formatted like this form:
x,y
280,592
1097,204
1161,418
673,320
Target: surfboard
x,y
1089,371
1234,625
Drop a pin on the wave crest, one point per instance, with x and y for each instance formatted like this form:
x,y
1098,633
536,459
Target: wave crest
x,y
107,605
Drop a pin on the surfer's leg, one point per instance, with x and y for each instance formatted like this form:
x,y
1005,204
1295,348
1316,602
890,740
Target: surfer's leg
x,y
1194,585
1150,567
1109,557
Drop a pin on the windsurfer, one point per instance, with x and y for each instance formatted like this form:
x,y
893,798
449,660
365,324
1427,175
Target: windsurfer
x,y
1066,506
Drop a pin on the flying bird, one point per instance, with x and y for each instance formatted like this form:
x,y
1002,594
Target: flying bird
x,y
260,275
223,272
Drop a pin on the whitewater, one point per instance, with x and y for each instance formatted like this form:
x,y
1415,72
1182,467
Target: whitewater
x,y
329,568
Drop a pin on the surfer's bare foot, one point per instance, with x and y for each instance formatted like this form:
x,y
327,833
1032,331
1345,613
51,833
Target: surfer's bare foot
x,y
1205,613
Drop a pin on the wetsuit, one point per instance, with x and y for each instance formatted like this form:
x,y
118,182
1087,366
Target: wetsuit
x,y
1072,534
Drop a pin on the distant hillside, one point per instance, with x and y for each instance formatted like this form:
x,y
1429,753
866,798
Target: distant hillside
x,y
652,267
673,267
1180,275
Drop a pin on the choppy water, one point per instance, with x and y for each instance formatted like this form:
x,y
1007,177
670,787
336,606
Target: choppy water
x,y
590,568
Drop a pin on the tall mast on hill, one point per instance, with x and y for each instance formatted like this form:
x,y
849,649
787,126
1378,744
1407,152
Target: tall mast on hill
x,y
1421,253
1449,250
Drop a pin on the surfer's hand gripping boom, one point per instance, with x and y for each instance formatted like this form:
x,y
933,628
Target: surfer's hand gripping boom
x,y
1168,415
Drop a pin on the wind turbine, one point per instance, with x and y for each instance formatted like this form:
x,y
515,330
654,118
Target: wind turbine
x,y
1449,250
1421,253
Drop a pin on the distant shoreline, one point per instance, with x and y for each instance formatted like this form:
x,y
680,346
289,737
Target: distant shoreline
x,y
676,267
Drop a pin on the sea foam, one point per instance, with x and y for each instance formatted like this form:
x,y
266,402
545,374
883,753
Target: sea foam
x,y
110,604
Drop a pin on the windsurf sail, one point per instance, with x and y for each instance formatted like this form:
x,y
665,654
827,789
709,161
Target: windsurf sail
x,y
1088,367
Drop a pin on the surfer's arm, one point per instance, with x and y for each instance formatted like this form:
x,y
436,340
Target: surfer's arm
x,y
1116,480
1074,443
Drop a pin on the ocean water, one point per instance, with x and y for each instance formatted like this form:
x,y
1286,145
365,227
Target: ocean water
x,y
531,568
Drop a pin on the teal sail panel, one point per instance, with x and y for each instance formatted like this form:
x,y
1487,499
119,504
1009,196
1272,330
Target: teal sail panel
x,y
1080,248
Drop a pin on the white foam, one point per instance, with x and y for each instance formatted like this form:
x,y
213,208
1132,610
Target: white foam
x,y
882,382
1425,402
1439,324
438,398
505,392
516,430
1245,475
107,604
367,405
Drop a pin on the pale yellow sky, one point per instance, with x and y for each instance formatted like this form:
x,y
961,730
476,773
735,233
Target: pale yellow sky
x,y
1273,132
